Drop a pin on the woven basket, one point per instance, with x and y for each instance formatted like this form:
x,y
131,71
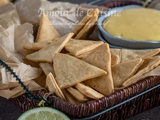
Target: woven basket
x,y
120,105
118,3
138,104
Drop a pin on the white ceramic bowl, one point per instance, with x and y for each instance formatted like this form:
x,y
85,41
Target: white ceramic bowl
x,y
120,42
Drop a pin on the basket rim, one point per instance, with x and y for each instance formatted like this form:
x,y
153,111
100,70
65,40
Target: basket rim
x,y
93,107
111,100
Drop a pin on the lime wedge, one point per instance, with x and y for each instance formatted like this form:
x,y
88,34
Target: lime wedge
x,y
43,113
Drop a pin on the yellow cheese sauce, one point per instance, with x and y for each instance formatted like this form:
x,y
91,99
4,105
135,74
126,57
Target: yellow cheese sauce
x,y
135,24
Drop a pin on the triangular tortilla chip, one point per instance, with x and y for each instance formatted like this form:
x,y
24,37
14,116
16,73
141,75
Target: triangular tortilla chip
x,y
115,60
88,27
41,80
69,97
83,22
52,86
77,94
123,71
154,72
46,30
9,93
10,85
101,57
128,55
151,64
77,47
117,53
47,68
37,46
31,85
70,70
47,53
83,55
119,88
88,91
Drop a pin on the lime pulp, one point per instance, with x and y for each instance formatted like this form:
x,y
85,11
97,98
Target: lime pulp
x,y
43,113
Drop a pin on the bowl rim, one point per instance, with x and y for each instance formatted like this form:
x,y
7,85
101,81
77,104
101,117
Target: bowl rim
x,y
113,11
101,37
112,46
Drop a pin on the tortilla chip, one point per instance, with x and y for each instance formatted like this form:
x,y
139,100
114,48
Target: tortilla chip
x,y
31,85
151,64
11,93
85,54
86,29
4,2
52,86
88,91
47,53
19,93
128,55
77,94
123,71
146,62
70,70
77,47
115,60
69,97
46,30
47,68
116,52
37,46
10,85
83,22
154,72
119,88
101,57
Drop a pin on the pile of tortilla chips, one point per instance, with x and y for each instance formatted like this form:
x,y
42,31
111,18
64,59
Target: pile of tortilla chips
x,y
79,70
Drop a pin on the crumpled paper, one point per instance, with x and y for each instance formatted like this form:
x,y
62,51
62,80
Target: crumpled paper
x,y
8,16
10,49
13,36
63,15
25,72
7,7
23,34
16,91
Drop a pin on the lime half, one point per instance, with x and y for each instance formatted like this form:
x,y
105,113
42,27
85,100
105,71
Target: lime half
x,y
43,113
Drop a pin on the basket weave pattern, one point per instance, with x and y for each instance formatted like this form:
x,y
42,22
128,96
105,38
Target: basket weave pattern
x,y
133,107
118,3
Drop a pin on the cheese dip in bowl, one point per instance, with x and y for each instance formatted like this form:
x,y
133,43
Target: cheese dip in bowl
x,y
133,27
